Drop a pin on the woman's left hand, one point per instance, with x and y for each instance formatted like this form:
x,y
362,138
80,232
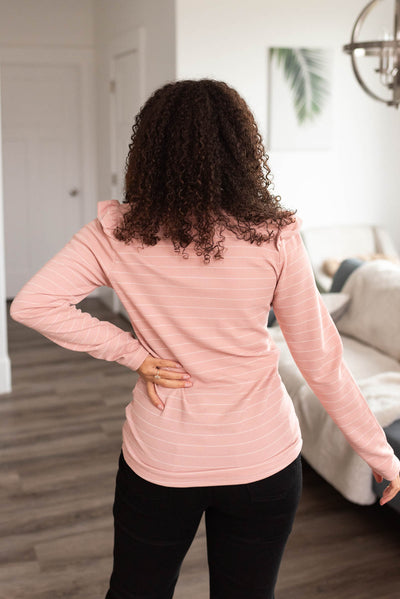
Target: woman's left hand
x,y
391,490
152,366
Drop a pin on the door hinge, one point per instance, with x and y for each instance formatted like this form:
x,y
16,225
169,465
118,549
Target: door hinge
x,y
112,86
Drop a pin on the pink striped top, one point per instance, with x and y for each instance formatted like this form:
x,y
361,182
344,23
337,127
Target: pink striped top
x,y
237,423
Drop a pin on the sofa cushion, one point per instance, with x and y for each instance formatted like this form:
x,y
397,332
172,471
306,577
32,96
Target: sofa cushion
x,y
373,315
337,304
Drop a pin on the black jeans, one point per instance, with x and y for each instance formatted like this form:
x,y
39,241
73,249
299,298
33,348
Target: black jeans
x,y
247,528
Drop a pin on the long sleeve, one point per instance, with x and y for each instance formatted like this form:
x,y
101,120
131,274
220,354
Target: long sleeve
x,y
317,348
47,302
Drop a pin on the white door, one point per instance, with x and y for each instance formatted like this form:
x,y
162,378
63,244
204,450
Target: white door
x,y
125,104
43,203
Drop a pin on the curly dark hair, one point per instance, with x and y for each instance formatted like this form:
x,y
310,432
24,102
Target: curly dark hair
x,y
195,162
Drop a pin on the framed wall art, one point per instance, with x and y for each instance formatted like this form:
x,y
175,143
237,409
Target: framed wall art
x,y
299,99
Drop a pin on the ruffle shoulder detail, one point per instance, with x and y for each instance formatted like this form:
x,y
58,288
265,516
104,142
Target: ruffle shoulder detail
x,y
109,214
289,230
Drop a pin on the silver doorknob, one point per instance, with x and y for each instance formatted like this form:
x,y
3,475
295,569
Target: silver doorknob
x,y
74,192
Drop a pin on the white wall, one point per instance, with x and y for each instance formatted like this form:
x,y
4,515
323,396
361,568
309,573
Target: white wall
x,y
111,21
355,181
46,22
114,18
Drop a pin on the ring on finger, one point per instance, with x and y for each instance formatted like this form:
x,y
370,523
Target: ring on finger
x,y
157,376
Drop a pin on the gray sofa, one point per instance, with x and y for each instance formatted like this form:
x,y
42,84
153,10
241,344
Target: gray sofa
x,y
341,242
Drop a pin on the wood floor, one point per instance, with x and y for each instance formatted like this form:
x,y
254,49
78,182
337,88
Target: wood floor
x,y
60,438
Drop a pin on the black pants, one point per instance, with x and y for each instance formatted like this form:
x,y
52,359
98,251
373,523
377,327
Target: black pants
x,y
247,528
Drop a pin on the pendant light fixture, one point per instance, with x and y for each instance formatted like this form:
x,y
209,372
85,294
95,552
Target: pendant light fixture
x,y
386,50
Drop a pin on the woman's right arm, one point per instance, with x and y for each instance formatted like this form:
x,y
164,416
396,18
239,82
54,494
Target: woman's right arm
x,y
316,346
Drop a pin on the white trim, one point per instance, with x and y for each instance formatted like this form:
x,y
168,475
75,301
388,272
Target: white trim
x,y
133,40
5,365
44,54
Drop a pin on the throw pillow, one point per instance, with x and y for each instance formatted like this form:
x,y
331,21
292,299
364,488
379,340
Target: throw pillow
x,y
343,272
373,315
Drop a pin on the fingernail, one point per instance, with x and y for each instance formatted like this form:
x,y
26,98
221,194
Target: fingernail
x,y
188,384
186,376
160,406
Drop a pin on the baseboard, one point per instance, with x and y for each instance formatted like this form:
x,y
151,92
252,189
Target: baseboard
x,y
5,374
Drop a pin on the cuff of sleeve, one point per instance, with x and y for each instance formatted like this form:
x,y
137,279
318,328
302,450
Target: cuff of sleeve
x,y
395,469
134,359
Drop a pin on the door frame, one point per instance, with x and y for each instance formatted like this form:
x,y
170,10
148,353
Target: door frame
x,y
132,40
5,363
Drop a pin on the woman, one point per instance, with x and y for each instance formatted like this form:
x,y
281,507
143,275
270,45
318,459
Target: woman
x,y
210,428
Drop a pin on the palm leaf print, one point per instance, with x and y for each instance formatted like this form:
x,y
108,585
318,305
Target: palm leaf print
x,y
304,70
